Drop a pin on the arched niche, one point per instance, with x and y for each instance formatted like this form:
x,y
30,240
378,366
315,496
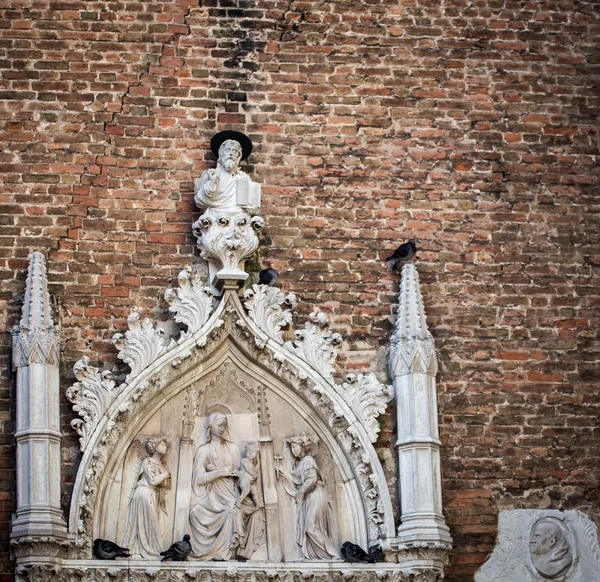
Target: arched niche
x,y
264,411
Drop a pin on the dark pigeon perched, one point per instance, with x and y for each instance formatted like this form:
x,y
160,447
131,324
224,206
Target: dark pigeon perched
x,y
404,253
179,551
355,554
105,550
268,277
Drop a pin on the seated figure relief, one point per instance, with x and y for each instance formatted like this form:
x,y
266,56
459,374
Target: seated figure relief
x,y
224,524
143,531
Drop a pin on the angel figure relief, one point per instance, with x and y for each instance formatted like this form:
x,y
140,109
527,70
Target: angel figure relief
x,y
147,505
314,515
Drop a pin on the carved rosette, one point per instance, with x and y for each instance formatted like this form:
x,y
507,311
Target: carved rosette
x,y
368,398
226,239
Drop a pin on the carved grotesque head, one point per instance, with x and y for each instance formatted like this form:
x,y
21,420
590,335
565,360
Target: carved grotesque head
x,y
549,547
230,155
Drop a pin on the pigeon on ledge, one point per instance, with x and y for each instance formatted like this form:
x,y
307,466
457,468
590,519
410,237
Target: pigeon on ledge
x,y
404,253
355,554
105,550
179,551
268,277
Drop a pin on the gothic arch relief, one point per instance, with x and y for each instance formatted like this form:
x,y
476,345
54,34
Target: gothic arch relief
x,y
238,366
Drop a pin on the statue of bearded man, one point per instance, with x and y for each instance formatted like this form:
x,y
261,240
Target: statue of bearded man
x,y
226,187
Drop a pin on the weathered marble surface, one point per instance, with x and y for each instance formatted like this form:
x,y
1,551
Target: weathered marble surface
x,y
535,545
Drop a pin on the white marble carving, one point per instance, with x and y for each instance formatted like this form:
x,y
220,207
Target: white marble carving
x,y
314,518
141,344
224,525
191,302
36,358
270,309
143,529
368,398
317,345
227,186
413,366
535,545
226,231
91,396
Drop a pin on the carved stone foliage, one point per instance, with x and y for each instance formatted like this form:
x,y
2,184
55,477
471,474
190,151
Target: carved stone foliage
x,y
535,545
141,345
269,309
368,399
317,345
122,571
91,396
191,302
315,348
36,338
227,238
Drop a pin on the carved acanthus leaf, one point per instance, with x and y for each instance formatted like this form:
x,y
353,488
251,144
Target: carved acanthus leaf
x,y
192,302
227,238
265,307
368,399
140,345
316,344
91,396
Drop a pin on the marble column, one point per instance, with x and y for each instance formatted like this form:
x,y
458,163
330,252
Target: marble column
x,y
413,366
36,348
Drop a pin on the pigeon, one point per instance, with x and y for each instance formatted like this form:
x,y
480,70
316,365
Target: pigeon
x,y
355,554
404,253
268,277
105,550
179,551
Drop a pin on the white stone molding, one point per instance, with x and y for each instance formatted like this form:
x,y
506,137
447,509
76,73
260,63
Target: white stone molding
x,y
543,544
413,366
265,307
36,358
317,345
147,571
368,398
226,239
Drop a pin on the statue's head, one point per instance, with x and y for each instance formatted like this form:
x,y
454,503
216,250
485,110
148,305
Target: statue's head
x,y
230,155
300,446
216,426
154,444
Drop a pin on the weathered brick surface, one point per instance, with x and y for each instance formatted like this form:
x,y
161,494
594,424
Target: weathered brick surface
x,y
469,126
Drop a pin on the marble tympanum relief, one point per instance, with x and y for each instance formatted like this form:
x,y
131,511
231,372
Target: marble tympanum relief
x,y
236,466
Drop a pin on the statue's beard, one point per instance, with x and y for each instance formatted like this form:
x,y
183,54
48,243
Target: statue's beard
x,y
229,164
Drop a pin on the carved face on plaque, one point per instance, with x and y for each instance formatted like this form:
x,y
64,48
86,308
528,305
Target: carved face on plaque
x,y
549,547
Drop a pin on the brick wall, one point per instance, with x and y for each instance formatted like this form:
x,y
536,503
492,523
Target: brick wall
x,y
469,126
